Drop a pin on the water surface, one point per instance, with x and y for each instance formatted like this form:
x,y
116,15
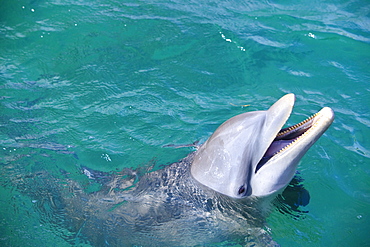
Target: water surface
x,y
107,84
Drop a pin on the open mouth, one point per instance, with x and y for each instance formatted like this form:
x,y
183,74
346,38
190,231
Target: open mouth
x,y
287,137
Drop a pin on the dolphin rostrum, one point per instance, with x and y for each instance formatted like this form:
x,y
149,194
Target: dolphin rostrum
x,y
190,202
250,154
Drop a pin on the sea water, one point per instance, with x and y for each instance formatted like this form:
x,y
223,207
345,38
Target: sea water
x,y
107,84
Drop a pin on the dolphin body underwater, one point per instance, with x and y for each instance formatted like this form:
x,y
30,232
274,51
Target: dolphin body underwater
x,y
214,195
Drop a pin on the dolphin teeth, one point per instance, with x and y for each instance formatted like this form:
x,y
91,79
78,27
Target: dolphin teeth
x,y
292,134
284,134
296,126
287,137
290,144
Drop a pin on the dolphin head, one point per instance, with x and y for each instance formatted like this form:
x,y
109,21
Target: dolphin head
x,y
251,155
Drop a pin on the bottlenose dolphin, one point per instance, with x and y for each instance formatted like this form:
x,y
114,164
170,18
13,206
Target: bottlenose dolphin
x,y
250,154
211,196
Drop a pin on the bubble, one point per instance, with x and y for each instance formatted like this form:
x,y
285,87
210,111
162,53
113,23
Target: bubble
x,y
311,35
106,157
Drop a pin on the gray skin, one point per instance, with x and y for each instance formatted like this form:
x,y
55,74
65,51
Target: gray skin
x,y
221,192
164,208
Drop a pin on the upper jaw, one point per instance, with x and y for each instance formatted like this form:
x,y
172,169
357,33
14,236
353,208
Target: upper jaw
x,y
320,119
275,118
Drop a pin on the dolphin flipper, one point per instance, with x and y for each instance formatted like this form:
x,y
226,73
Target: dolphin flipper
x,y
122,180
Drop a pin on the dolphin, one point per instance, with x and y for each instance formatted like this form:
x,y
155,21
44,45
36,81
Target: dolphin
x,y
252,155
214,195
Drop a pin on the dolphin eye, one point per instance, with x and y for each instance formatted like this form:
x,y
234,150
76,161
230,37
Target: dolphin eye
x,y
241,190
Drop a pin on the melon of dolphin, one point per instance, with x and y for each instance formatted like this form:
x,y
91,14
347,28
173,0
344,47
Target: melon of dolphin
x,y
250,154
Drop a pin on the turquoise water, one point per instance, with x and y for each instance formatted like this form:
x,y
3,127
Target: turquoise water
x,y
107,84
